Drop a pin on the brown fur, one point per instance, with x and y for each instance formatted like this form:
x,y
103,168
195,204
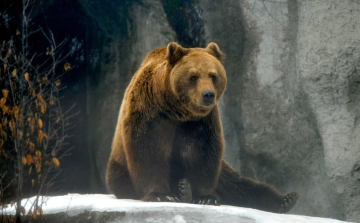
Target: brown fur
x,y
167,131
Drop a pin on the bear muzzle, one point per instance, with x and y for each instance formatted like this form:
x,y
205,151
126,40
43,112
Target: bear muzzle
x,y
208,97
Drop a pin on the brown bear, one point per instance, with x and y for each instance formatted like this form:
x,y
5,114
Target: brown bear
x,y
169,129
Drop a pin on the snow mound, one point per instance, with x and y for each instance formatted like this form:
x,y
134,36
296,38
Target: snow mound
x,y
106,208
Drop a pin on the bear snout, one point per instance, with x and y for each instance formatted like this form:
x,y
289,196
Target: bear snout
x,y
208,97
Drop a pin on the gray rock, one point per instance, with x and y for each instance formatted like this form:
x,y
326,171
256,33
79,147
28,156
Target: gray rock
x,y
329,69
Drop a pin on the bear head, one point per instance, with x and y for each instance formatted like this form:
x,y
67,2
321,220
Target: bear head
x,y
197,77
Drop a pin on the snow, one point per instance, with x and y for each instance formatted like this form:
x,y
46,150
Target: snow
x,y
120,210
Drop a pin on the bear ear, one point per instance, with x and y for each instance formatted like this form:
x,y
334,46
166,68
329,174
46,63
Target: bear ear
x,y
214,50
174,52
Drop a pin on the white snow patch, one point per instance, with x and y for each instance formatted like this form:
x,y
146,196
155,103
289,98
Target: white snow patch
x,y
75,204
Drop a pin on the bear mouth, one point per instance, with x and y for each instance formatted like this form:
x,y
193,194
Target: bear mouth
x,y
207,104
201,109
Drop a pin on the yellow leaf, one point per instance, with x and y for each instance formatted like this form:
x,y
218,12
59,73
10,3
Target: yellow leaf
x,y
40,211
40,135
5,109
57,83
16,112
43,108
26,75
45,136
12,126
20,134
30,169
29,159
38,153
31,146
56,162
34,215
32,182
67,66
23,159
52,100
40,123
57,119
5,93
18,32
32,125
14,73
38,168
3,101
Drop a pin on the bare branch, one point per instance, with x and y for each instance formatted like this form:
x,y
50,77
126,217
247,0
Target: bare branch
x,y
263,2
32,123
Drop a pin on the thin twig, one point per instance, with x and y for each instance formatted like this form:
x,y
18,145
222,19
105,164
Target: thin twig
x,y
263,2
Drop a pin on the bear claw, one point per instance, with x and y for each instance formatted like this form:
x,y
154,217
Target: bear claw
x,y
185,194
288,202
206,201
161,198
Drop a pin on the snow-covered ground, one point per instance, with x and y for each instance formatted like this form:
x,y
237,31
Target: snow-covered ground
x,y
106,208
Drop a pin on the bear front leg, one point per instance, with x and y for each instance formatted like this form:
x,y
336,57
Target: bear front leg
x,y
148,154
204,180
149,173
205,136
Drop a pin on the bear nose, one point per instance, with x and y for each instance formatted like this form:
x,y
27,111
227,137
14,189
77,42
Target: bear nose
x,y
208,96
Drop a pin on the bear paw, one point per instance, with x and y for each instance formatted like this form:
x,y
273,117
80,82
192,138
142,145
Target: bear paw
x,y
207,200
288,202
158,197
185,193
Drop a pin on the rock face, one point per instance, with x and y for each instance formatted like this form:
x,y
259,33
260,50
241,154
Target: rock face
x,y
291,112
328,52
106,208
300,102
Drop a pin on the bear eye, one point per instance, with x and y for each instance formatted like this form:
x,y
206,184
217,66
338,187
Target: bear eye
x,y
193,78
213,77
